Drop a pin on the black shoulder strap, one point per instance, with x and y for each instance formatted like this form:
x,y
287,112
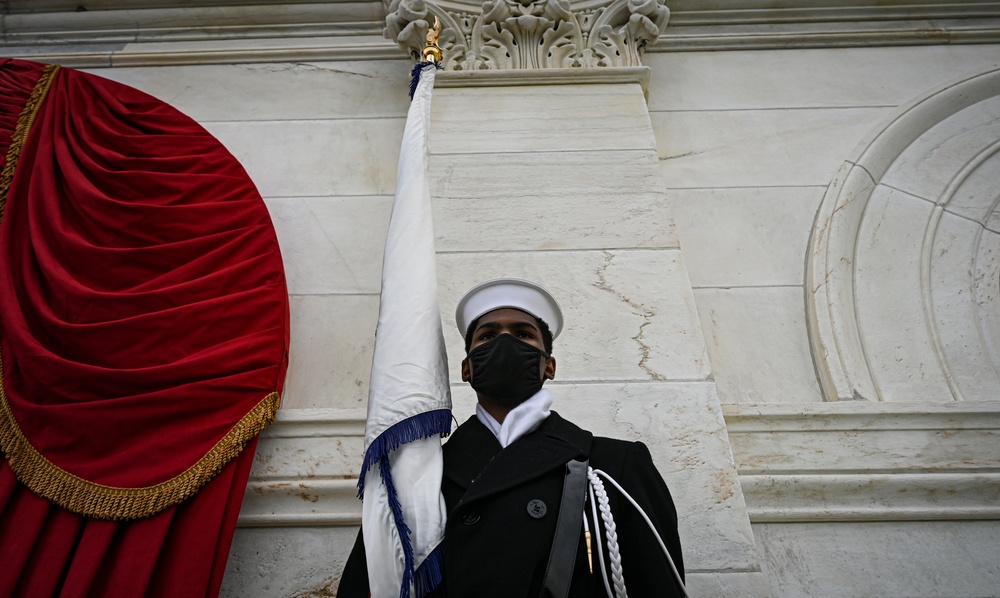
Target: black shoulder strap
x,y
566,542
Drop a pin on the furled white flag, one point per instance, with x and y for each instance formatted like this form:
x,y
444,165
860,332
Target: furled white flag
x,y
409,401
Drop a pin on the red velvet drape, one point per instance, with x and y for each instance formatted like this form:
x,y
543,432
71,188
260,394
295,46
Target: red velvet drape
x,y
143,335
181,552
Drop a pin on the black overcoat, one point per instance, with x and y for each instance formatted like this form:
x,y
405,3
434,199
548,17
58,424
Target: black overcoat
x,y
498,538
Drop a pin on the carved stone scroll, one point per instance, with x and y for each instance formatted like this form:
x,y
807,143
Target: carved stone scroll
x,y
531,34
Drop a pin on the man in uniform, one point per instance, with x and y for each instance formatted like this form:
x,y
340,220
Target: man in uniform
x,y
511,528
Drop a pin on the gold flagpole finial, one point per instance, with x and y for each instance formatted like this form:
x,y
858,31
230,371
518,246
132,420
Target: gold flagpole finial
x,y
431,49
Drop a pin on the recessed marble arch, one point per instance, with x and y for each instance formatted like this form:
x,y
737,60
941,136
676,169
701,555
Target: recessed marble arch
x,y
903,268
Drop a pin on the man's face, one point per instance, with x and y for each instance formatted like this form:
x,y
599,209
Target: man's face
x,y
515,322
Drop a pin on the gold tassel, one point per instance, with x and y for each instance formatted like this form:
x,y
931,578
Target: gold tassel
x,y
71,492
590,554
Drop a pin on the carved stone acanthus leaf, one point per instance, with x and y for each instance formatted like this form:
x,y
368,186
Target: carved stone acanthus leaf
x,y
531,34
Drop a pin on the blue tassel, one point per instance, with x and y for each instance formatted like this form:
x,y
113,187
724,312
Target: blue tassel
x,y
401,527
429,574
415,74
413,428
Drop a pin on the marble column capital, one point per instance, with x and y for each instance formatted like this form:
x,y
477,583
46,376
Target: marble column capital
x,y
530,34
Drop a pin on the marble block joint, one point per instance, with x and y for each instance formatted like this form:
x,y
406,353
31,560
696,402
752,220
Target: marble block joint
x,y
531,34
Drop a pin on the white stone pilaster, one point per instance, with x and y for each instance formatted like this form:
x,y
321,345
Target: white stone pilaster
x,y
560,183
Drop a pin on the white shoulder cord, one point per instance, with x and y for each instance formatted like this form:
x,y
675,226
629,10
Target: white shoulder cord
x,y
617,575
596,486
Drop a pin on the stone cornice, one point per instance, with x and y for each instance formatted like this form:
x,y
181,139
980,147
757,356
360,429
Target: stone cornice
x,y
306,470
849,461
157,32
871,497
864,461
855,30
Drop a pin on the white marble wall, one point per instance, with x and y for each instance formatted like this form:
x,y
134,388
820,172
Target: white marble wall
x,y
748,142
677,241
568,192
859,498
926,559
846,499
929,236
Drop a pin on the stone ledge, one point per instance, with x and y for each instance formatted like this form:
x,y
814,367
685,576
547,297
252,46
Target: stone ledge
x,y
896,462
305,471
297,502
352,47
895,497
826,35
864,438
861,415
140,21
310,423
150,33
861,461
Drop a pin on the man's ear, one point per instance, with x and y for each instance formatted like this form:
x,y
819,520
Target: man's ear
x,y
466,370
549,373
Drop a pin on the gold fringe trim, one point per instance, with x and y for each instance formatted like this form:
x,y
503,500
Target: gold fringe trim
x,y
109,502
71,492
25,120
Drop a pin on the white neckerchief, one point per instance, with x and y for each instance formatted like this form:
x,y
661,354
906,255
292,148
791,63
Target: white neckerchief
x,y
522,419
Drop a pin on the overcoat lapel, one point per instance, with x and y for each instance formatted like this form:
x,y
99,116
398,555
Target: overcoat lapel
x,y
551,446
468,451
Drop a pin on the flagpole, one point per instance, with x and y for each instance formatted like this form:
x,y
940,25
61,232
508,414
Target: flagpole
x,y
409,400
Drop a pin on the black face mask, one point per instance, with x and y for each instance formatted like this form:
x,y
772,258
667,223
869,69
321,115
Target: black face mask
x,y
506,369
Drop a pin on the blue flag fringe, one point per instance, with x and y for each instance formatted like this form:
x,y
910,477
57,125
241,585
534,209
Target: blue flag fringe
x,y
401,527
421,425
415,74
412,428
429,574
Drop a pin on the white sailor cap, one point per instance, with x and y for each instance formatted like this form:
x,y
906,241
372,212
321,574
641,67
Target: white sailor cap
x,y
508,292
